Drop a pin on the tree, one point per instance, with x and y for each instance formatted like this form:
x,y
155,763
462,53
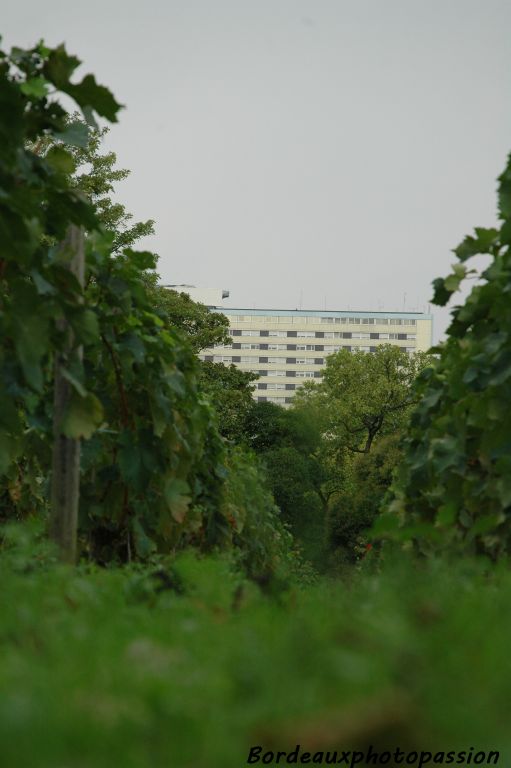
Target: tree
x,y
366,478
288,444
94,173
230,392
364,395
202,328
360,408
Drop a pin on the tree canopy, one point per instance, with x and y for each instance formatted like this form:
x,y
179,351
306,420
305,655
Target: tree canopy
x,y
364,395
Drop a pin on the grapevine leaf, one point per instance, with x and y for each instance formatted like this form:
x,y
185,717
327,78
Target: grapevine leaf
x,y
441,294
177,497
88,93
60,66
60,160
472,246
75,134
82,417
36,87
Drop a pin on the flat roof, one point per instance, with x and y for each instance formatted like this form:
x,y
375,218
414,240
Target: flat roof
x,y
322,313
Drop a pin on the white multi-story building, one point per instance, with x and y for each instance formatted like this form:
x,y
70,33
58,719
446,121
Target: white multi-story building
x,y
286,347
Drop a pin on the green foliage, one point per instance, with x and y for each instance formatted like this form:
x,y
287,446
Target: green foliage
x,y
364,395
251,520
366,480
201,327
36,289
152,475
454,486
230,392
289,445
109,667
151,470
95,174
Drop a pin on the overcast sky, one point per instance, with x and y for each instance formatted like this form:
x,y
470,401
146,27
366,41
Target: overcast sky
x,y
314,153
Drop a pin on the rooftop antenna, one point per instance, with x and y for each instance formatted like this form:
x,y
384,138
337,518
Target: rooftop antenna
x,y
301,298
325,303
404,301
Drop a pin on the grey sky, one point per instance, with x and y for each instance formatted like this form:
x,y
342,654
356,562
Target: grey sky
x,y
315,151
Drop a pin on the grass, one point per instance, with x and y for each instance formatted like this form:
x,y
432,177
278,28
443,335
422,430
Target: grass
x,y
133,668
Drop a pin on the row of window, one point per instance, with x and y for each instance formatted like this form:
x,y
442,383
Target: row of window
x,y
271,360
278,360
278,372
324,334
290,319
368,321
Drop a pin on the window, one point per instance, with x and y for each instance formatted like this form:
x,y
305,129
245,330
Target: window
x,y
247,359
395,321
274,360
354,320
279,400
308,347
277,346
249,346
357,335
278,373
368,321
222,359
250,333
304,361
383,321
272,385
384,335
277,333
306,334
304,374
411,336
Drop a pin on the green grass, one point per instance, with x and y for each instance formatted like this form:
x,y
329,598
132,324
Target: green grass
x,y
99,669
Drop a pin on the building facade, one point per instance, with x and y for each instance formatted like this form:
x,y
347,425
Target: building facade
x,y
287,347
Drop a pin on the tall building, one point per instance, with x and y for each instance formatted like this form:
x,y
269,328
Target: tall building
x,y
287,347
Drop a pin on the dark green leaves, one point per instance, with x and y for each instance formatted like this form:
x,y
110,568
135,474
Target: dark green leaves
x,y
75,134
177,497
83,416
36,87
88,94
151,453
457,462
484,241
60,66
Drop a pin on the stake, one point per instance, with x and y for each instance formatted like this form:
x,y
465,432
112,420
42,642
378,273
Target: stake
x,y
65,489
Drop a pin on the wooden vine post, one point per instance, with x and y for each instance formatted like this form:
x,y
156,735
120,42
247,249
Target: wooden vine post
x,y
65,490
